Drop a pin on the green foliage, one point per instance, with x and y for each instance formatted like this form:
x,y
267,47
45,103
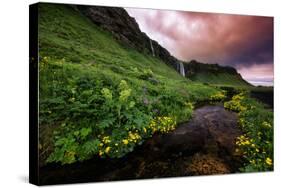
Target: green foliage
x,y
162,125
256,144
236,103
219,96
99,116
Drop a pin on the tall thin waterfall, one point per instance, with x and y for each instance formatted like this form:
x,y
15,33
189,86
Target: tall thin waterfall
x,y
151,46
182,72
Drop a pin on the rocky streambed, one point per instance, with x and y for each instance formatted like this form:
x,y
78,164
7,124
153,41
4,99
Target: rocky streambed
x,y
203,146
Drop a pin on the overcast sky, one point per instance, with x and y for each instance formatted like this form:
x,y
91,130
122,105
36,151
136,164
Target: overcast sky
x,y
244,42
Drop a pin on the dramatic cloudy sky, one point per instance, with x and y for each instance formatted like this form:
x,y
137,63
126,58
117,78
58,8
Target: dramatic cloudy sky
x,y
244,42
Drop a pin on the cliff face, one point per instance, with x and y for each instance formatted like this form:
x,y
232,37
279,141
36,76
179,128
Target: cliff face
x,y
213,73
125,29
195,67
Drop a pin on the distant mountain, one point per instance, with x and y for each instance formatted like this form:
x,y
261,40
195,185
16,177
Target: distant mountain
x,y
214,74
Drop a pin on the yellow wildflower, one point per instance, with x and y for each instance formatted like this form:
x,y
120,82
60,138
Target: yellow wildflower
x,y
268,161
266,124
144,129
247,142
100,153
107,149
106,139
125,141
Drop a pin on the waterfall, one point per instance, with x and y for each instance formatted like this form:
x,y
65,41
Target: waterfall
x,y
151,46
182,72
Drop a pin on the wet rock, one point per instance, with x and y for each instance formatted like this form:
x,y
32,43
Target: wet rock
x,y
187,139
221,125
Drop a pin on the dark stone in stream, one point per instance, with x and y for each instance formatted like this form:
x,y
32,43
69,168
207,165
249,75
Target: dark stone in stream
x,y
204,145
182,140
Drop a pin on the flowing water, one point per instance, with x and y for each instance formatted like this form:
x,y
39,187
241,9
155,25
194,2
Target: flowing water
x,y
152,49
204,145
182,71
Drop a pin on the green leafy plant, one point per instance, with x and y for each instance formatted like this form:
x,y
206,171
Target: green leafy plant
x,y
256,144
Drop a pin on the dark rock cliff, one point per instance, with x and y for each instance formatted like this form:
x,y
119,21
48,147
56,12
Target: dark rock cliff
x,y
194,66
126,30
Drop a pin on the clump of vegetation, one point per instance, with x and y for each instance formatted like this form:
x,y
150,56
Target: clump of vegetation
x,y
256,144
162,124
236,103
219,96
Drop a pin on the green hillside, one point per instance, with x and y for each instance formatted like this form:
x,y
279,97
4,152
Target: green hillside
x,y
65,35
215,74
92,86
220,79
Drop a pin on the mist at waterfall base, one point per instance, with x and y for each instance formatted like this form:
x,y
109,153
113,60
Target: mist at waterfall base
x,y
243,42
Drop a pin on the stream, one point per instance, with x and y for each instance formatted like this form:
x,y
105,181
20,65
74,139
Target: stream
x,y
204,145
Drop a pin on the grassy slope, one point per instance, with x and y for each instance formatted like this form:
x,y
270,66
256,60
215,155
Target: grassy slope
x,y
220,79
64,33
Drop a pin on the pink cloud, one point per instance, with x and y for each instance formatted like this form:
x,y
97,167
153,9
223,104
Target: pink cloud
x,y
203,36
263,72
235,40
